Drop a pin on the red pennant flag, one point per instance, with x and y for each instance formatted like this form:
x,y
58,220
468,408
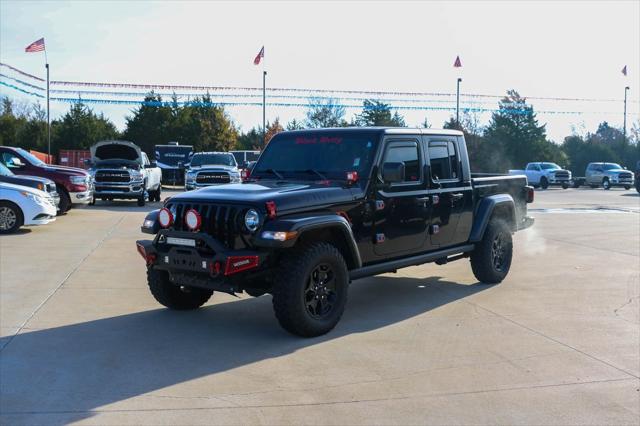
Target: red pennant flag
x,y
457,63
624,70
260,55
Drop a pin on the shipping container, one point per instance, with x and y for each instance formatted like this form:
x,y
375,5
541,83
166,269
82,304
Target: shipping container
x,y
49,159
74,157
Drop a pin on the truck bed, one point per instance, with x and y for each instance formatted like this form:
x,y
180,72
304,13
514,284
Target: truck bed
x,y
514,185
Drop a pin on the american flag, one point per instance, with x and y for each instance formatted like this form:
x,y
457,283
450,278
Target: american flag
x,y
259,56
36,46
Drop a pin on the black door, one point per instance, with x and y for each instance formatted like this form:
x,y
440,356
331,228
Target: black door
x,y
401,211
449,193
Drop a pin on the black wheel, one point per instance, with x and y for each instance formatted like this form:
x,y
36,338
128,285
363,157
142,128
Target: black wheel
x,y
606,184
491,258
565,185
141,201
544,183
158,193
93,200
311,295
627,187
173,296
576,184
11,218
65,200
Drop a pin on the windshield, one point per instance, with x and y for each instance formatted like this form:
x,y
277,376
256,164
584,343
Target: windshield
x,y
311,155
549,166
4,171
213,160
31,158
172,155
611,166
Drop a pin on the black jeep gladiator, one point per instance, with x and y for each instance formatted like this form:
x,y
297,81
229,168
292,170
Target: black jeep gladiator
x,y
324,207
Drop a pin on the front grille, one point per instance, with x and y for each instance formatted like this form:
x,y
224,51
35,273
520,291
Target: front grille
x,y
625,175
562,175
213,177
219,221
112,176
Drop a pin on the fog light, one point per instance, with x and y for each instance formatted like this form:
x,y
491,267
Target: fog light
x,y
278,236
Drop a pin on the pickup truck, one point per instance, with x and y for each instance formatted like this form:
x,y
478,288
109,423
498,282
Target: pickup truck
x,y
211,168
544,175
122,171
324,207
172,160
73,185
606,175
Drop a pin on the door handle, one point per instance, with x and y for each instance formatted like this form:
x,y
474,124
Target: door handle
x,y
423,201
457,196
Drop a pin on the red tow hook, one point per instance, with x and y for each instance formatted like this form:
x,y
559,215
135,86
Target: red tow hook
x,y
149,258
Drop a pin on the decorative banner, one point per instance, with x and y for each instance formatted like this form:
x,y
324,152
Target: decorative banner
x,y
22,72
24,83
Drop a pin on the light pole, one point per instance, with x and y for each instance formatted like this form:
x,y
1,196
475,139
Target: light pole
x,y
264,106
458,103
624,125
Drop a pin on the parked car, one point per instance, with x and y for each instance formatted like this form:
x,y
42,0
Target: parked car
x,y
606,175
24,206
122,171
324,207
637,178
72,184
543,175
43,184
211,168
173,159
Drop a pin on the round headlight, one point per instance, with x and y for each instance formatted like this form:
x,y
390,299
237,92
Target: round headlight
x,y
165,218
252,220
193,220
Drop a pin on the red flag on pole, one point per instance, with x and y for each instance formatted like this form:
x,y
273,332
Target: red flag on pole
x,y
36,46
624,70
259,56
457,63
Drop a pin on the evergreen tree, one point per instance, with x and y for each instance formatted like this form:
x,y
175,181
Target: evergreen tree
x,y
376,113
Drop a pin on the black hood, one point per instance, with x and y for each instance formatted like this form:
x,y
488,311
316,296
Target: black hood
x,y
287,196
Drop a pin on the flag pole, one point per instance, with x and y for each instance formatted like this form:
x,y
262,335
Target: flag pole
x,y
458,103
46,60
264,111
624,126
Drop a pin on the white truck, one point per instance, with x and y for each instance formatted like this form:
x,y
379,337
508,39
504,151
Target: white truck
x,y
121,170
542,175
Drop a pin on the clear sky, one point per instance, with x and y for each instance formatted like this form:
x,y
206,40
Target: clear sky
x,y
572,49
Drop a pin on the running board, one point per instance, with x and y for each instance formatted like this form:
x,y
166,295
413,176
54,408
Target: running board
x,y
390,266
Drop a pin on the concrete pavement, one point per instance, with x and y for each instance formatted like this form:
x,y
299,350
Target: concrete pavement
x,y
556,343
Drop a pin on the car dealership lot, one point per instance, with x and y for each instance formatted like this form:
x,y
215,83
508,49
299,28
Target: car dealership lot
x,y
556,343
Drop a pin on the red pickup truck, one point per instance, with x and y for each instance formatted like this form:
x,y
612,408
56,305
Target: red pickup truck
x,y
73,185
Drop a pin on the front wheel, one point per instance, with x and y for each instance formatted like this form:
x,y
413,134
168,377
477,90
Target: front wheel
x,y
491,258
565,185
544,183
65,200
627,187
311,293
11,218
606,184
173,296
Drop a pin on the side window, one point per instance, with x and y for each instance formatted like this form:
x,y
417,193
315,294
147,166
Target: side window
x,y
445,164
531,166
10,160
407,153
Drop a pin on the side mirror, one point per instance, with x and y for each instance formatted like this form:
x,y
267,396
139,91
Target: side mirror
x,y
16,163
393,172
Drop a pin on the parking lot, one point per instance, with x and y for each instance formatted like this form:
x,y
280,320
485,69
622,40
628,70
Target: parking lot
x,y
556,343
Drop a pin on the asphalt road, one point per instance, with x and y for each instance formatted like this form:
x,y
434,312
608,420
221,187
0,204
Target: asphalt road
x,y
556,343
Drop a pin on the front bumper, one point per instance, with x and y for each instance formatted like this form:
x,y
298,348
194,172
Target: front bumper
x,y
208,265
131,190
83,197
621,182
559,181
190,185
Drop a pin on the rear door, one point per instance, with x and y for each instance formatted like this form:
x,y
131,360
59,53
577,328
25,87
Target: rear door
x,y
451,191
401,209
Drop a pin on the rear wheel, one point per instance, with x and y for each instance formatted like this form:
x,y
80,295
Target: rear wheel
x,y
11,218
173,296
544,183
606,184
491,258
311,294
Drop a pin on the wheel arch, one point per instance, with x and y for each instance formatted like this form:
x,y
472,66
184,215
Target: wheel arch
x,y
501,205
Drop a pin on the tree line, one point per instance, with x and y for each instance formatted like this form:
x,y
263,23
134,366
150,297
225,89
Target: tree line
x,y
512,137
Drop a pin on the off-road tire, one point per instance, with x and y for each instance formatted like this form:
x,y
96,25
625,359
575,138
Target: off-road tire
x,y
172,296
292,290
65,200
606,184
482,257
544,183
14,214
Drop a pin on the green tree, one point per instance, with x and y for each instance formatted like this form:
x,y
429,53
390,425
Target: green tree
x,y
206,126
80,128
154,122
325,113
295,125
376,113
250,140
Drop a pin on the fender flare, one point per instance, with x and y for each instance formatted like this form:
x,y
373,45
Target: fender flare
x,y
485,211
310,223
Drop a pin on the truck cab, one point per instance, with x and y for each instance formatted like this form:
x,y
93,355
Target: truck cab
x,y
324,207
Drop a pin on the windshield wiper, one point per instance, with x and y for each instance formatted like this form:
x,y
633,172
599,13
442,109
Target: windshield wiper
x,y
313,171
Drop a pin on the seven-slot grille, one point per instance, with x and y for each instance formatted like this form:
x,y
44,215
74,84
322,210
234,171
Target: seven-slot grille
x,y
112,176
213,177
562,174
219,221
625,175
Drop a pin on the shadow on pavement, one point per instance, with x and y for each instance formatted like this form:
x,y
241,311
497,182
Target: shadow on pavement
x,y
59,375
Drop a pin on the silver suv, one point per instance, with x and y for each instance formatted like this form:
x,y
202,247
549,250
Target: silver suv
x,y
608,175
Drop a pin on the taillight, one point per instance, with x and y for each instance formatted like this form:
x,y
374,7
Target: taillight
x,y
165,218
237,264
272,209
352,177
245,174
530,194
193,220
